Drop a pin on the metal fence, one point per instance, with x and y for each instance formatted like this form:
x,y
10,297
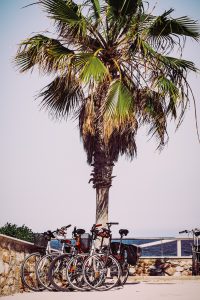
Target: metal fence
x,y
163,246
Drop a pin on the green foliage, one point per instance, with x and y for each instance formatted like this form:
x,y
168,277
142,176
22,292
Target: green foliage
x,y
19,232
118,100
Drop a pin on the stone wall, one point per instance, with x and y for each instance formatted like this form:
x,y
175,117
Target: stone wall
x,y
12,253
163,267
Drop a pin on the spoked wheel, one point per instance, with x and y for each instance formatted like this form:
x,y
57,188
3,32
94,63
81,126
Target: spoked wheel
x,y
101,272
58,272
42,271
124,273
75,272
28,272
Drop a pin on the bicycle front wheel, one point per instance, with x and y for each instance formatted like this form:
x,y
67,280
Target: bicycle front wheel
x,y
75,272
58,272
42,270
101,272
28,272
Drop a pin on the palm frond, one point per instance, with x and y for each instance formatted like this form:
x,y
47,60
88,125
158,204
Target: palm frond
x,y
96,8
163,26
122,8
118,101
166,87
49,54
91,67
67,14
122,142
164,32
151,111
62,96
86,116
177,63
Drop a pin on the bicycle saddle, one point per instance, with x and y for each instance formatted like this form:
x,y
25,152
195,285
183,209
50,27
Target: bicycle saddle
x,y
80,231
123,231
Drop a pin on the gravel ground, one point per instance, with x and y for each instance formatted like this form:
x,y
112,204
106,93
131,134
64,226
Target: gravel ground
x,y
157,289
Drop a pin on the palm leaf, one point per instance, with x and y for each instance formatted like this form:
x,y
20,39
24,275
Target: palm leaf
x,y
96,8
118,101
60,10
49,54
91,67
177,63
122,141
167,88
67,15
122,8
163,26
62,96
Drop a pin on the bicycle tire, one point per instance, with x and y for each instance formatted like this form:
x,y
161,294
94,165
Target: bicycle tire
x,y
75,272
42,270
28,272
58,273
106,267
124,274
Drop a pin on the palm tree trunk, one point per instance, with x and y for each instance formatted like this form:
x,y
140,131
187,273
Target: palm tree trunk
x,y
103,165
102,200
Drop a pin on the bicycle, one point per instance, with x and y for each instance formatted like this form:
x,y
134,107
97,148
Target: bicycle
x,y
74,270
44,262
29,265
57,270
101,270
195,250
119,252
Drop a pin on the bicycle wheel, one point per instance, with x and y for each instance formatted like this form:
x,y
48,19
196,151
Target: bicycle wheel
x,y
42,270
124,273
28,272
75,272
58,272
101,272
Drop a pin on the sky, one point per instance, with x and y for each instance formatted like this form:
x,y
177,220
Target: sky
x,y
44,175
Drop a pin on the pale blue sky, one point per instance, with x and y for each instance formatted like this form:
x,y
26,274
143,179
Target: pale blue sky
x,y
44,175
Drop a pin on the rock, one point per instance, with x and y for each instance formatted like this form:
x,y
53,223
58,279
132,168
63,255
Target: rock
x,y
139,271
1,267
182,264
170,271
179,269
185,273
6,290
5,257
6,268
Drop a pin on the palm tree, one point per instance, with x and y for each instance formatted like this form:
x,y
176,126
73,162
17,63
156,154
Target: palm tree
x,y
113,72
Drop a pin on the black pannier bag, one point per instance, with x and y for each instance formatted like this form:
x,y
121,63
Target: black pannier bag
x,y
85,242
115,247
133,253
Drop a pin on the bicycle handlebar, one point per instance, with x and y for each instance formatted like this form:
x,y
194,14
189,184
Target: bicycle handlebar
x,y
112,223
65,227
183,231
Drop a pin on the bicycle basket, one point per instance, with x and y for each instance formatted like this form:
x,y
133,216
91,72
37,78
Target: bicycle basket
x,y
40,240
85,242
